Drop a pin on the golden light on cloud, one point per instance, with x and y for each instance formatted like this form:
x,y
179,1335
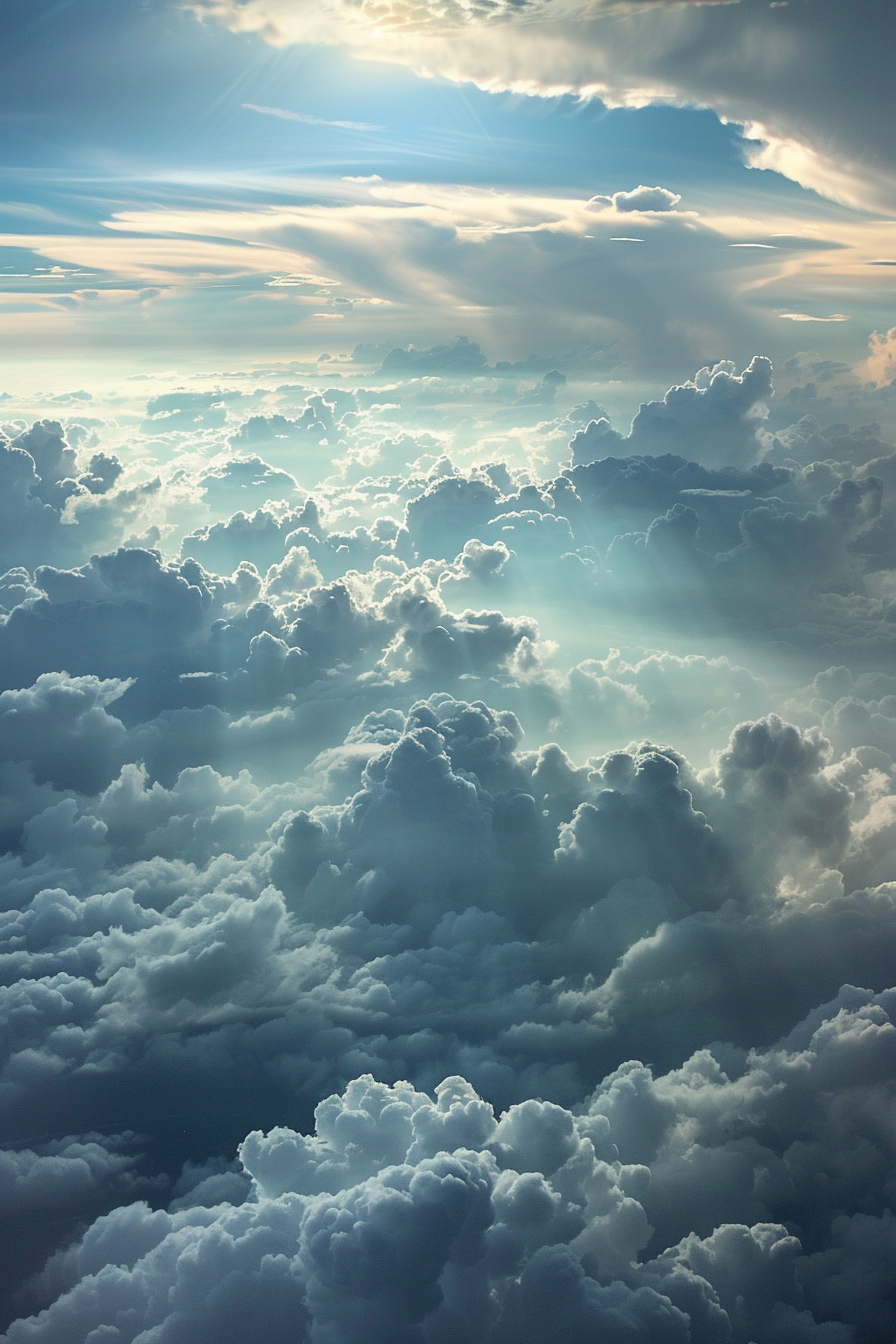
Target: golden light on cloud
x,y
808,317
880,366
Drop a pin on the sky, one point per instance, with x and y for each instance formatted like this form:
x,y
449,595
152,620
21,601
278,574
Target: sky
x,y
172,172
447,672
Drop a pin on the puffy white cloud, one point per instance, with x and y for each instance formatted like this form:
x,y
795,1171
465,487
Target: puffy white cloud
x,y
641,198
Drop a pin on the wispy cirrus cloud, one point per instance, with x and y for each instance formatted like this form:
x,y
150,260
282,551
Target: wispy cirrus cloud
x,y
809,317
307,120
435,249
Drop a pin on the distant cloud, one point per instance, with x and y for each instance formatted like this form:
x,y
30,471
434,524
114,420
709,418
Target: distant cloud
x,y
646,198
807,317
650,199
880,365
307,120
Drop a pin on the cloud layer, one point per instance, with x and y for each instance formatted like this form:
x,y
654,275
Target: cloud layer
x,y
808,83
448,855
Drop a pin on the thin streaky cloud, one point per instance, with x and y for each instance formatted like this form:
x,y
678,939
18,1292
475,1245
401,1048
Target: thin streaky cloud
x,y
807,317
285,115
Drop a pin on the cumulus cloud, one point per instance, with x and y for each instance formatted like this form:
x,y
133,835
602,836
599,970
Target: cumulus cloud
x,y
47,490
421,1214
640,198
717,416
442,898
880,366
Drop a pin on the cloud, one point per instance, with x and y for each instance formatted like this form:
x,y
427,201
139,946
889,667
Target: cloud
x,y
308,120
880,366
763,67
806,317
336,831
408,1212
47,489
463,356
697,412
640,199
379,252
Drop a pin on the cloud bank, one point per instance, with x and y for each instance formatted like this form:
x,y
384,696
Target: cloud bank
x,y
448,856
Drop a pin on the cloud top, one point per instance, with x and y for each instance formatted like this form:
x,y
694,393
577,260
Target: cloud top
x,y
383,952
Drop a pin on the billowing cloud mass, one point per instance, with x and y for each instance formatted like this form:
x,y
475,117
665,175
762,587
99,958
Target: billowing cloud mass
x,y
448,856
808,82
